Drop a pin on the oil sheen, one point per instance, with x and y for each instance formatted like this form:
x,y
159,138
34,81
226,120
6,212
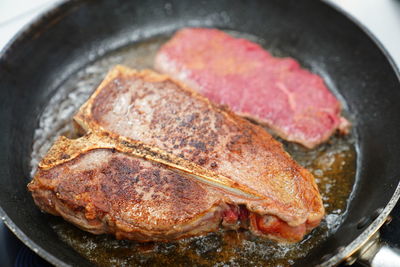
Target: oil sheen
x,y
333,165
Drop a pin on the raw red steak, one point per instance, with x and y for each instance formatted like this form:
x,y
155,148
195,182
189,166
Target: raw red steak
x,y
277,92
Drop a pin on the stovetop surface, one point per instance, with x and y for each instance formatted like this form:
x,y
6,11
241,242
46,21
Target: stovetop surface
x,y
14,253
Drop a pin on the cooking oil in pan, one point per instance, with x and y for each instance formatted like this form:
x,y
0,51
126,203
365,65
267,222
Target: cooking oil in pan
x,y
333,165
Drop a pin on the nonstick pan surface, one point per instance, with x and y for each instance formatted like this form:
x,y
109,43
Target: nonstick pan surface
x,y
38,62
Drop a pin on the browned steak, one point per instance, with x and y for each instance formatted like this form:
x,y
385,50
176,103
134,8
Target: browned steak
x,y
190,165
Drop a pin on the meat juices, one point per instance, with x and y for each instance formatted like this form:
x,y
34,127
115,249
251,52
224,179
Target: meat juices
x,y
277,92
160,162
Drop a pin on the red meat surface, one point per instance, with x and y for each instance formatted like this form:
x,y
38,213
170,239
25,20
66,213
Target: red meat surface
x,y
277,92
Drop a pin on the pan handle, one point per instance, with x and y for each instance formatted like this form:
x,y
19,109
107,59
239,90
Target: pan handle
x,y
376,253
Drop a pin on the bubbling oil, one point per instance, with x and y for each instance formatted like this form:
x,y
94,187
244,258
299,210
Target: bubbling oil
x,y
333,165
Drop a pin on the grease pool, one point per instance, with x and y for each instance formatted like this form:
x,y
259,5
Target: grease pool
x,y
333,165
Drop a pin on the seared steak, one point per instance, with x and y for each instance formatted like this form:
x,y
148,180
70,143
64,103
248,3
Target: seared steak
x,y
160,162
292,101
107,191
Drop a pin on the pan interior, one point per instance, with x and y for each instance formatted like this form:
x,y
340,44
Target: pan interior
x,y
333,165
69,39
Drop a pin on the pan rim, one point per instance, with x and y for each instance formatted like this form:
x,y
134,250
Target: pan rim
x,y
346,252
20,34
29,242
363,238
26,29
374,227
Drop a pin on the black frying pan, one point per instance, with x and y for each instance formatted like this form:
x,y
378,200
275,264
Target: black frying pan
x,y
46,53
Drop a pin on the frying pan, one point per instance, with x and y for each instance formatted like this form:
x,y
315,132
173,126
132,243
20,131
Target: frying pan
x,y
322,38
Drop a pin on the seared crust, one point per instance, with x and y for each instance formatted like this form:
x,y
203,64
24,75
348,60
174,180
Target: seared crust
x,y
148,120
104,191
158,111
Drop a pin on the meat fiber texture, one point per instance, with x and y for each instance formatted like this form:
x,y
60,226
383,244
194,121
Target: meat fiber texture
x,y
277,92
160,162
